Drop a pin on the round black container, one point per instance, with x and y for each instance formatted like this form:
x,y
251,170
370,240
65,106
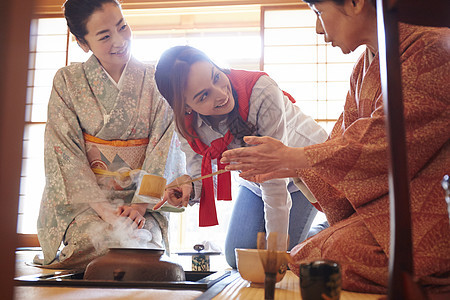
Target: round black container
x,y
320,279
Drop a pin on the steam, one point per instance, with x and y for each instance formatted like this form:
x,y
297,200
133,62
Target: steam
x,y
119,232
123,233
129,237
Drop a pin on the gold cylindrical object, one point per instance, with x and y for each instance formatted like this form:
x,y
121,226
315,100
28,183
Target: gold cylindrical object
x,y
153,186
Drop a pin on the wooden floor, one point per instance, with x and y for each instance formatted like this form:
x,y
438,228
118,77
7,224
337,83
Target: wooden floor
x,y
286,289
239,288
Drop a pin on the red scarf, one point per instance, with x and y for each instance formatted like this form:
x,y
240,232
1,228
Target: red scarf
x,y
242,82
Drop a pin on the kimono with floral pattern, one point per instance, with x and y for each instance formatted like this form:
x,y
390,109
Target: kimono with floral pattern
x,y
85,101
349,174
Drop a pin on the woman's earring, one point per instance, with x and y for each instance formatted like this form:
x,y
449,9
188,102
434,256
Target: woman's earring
x,y
189,111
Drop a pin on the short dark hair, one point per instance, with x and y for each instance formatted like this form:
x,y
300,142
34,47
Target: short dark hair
x,y
77,13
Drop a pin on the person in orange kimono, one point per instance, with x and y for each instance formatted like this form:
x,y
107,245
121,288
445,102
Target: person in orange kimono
x,y
348,173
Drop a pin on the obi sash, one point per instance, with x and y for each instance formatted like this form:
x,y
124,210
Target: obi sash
x,y
112,161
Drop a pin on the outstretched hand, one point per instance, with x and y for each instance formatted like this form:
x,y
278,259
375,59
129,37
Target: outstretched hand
x,y
268,159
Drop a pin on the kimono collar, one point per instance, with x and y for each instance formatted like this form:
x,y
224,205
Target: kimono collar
x,y
94,63
122,76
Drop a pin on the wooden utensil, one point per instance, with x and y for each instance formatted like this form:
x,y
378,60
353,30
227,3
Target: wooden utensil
x,y
271,260
261,241
196,179
271,266
153,186
161,203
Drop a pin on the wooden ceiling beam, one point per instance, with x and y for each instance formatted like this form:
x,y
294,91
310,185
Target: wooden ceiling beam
x,y
52,8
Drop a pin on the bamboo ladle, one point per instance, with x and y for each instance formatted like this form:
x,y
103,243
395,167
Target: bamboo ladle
x,y
155,186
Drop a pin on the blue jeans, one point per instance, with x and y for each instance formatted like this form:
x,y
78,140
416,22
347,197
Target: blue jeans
x,y
247,220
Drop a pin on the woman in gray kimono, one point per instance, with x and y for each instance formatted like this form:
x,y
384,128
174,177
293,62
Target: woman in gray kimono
x,y
106,121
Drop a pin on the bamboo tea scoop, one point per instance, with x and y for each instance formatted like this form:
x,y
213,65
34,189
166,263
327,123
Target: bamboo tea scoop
x,y
176,184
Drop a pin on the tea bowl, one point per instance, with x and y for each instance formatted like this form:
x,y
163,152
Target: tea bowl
x,y
250,266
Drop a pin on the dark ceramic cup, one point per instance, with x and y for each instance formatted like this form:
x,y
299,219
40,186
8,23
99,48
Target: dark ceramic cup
x,y
320,280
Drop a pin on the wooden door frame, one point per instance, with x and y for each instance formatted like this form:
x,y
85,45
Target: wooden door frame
x,y
15,18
